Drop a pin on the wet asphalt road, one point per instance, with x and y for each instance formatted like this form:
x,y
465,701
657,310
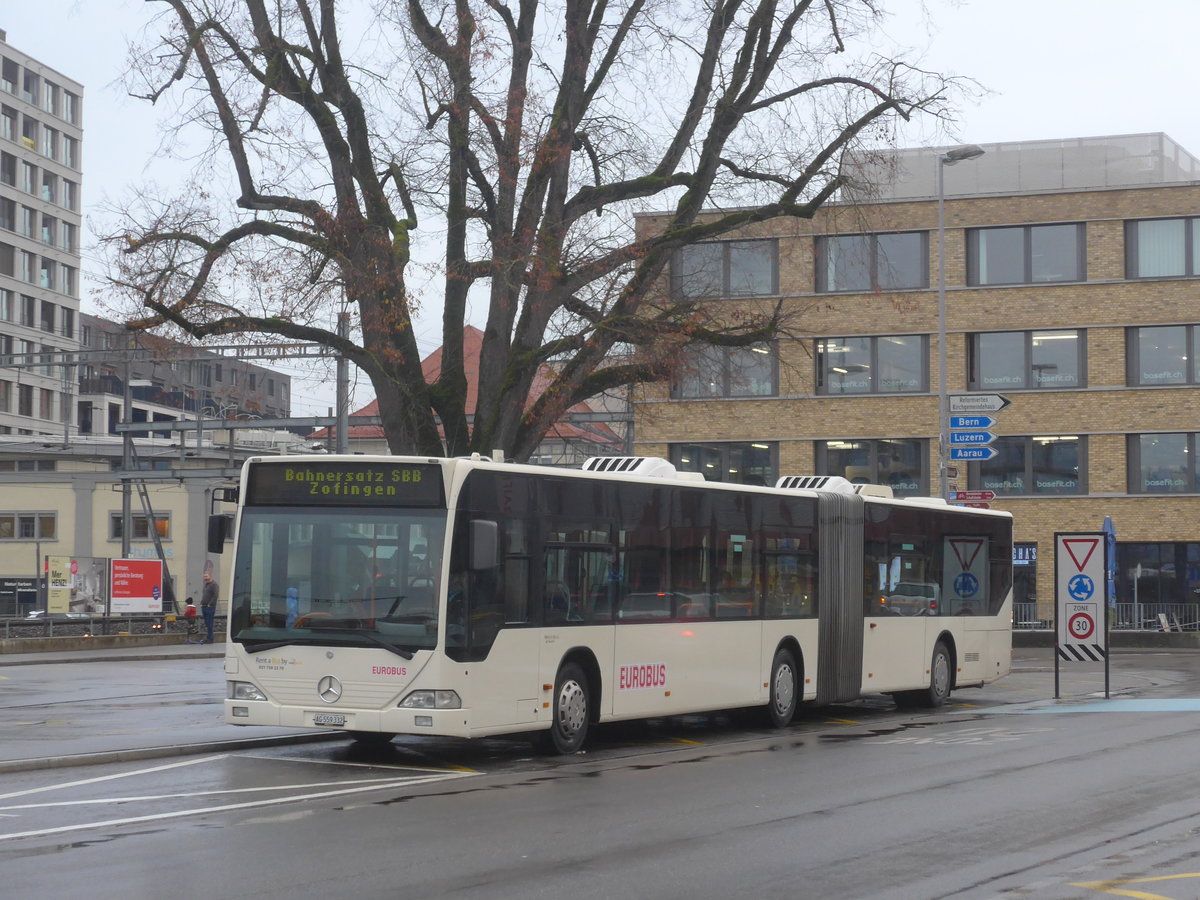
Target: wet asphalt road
x,y
1005,793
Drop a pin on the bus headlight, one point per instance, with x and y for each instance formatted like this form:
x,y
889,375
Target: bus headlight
x,y
243,690
432,700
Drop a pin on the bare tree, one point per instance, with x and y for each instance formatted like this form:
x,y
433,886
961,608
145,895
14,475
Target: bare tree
x,y
522,137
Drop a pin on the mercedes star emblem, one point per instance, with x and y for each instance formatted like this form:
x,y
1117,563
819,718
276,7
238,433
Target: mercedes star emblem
x,y
329,689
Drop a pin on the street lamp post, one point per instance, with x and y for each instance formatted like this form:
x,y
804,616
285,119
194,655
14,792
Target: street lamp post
x,y
949,158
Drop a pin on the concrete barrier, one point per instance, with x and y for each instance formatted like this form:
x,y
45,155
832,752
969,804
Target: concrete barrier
x,y
82,642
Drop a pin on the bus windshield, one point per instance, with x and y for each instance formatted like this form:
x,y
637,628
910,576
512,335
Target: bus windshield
x,y
354,577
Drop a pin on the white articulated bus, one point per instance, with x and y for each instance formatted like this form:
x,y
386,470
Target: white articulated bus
x,y
392,595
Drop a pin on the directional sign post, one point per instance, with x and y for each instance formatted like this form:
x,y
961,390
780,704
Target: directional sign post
x,y
966,432
961,404
972,496
972,453
970,438
973,499
962,422
1080,610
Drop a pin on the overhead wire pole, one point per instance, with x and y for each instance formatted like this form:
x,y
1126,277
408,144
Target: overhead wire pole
x,y
126,464
342,443
949,158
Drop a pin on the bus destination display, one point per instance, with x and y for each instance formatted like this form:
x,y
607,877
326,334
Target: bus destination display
x,y
315,483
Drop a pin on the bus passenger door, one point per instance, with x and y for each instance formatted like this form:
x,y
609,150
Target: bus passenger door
x,y
967,586
495,614
580,585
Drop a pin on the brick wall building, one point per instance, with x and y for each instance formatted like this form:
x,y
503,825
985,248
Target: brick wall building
x,y
1071,283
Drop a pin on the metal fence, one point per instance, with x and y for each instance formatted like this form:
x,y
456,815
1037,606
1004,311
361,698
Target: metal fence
x,y
1124,617
78,627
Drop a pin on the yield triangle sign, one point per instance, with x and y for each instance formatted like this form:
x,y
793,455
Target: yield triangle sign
x,y
1080,547
966,549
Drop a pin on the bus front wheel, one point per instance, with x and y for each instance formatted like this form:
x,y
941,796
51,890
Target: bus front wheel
x,y
572,710
940,679
784,686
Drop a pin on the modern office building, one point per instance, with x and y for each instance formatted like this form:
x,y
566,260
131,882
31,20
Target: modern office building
x,y
168,381
1069,286
41,135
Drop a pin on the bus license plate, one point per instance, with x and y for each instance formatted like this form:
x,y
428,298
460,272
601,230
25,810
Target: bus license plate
x,y
328,719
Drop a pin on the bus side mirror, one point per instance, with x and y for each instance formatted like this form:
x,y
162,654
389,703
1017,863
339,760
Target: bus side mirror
x,y
219,529
485,544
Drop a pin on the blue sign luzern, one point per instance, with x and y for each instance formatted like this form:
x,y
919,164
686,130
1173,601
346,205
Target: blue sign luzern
x,y
971,438
973,453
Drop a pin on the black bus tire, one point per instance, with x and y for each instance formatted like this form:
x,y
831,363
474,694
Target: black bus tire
x,y
940,680
784,687
571,711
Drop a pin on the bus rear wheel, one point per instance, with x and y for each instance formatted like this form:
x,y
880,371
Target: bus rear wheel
x,y
572,711
940,680
784,687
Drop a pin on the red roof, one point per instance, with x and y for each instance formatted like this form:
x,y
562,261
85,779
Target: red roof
x,y
431,366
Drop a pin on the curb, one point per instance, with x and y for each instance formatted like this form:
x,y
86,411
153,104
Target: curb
x,y
117,756
132,656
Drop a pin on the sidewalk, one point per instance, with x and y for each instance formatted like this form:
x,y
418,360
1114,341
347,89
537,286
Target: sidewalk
x,y
168,704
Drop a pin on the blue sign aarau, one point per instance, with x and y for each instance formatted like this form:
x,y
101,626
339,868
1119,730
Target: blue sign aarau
x,y
972,453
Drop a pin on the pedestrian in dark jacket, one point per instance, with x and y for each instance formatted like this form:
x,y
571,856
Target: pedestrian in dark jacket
x,y
208,606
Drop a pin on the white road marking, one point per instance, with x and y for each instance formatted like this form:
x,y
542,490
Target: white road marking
x,y
186,795
364,765
274,801
71,784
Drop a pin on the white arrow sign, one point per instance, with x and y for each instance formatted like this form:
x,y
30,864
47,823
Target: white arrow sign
x,y
977,403
976,453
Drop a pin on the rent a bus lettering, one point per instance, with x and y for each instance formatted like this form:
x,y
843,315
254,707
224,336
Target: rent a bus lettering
x,y
332,484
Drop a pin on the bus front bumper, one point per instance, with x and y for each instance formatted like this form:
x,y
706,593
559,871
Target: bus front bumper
x,y
446,722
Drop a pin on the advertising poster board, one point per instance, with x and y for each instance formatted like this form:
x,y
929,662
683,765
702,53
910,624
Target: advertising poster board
x,y
136,587
89,584
77,584
58,584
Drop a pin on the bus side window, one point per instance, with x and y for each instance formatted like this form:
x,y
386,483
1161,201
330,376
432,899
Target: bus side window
x,y
556,600
517,570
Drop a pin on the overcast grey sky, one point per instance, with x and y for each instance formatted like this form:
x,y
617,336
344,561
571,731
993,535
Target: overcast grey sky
x,y
1054,69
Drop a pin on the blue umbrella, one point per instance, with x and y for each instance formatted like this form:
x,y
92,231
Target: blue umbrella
x,y
1110,545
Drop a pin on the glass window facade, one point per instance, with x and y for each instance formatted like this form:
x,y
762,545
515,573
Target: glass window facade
x,y
1163,354
1160,573
726,269
28,526
898,463
727,372
1027,360
1161,248
1025,254
863,263
1163,463
889,364
735,462
1052,464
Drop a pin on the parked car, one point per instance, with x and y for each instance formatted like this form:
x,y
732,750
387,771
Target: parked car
x,y
913,598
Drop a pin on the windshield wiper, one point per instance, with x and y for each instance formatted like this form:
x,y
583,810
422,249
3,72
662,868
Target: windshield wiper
x,y
259,646
367,636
